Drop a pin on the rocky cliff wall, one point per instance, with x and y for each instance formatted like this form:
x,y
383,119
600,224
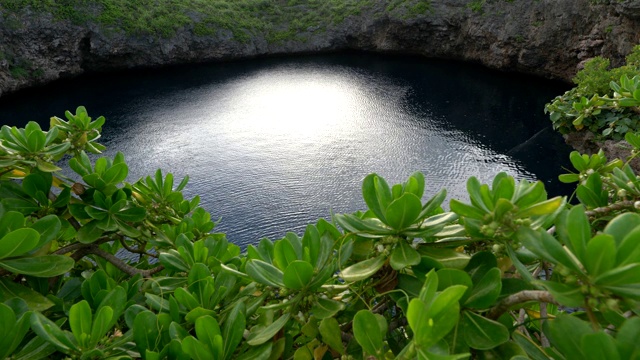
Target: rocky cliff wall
x,y
545,37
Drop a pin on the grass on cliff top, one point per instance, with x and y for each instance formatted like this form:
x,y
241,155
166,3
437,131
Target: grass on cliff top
x,y
276,19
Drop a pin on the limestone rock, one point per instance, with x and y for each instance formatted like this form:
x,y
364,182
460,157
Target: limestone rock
x,y
550,38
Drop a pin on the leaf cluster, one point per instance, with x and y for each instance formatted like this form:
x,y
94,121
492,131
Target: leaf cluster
x,y
101,268
605,101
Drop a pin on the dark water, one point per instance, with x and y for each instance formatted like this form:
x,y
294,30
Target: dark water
x,y
274,144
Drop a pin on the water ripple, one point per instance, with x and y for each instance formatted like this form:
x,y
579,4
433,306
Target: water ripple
x,y
273,145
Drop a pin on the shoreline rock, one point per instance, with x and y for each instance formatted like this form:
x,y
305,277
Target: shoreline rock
x,y
549,38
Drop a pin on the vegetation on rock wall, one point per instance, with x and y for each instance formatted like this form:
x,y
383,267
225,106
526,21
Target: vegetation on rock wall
x,y
243,18
605,101
493,277
278,20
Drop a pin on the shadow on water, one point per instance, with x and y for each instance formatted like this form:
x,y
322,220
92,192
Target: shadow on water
x,y
273,144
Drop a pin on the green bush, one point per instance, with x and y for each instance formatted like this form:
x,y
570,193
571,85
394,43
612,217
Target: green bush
x,y
405,279
604,100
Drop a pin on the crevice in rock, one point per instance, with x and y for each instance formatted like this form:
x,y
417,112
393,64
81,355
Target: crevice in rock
x,y
87,60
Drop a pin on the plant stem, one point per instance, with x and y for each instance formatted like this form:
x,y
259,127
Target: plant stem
x,y
622,205
135,251
121,265
519,298
592,317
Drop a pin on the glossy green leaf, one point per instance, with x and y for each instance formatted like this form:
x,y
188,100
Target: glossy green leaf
x,y
475,194
311,241
172,260
101,324
415,184
627,338
37,182
527,193
284,253
198,312
262,352
448,258
430,288
565,333
298,275
12,330
208,333
9,221
269,332
372,228
547,247
541,208
325,308
116,299
627,274
131,214
590,198
403,211
446,299
89,233
430,328
186,298
195,349
377,195
569,178
80,320
479,264
368,333
451,277
533,350
157,303
40,266
330,331
48,228
403,255
18,242
599,346
600,255
466,210
622,225
577,161
363,269
34,300
482,333
233,330
265,273
485,292
52,333
503,187
628,251
574,230
146,331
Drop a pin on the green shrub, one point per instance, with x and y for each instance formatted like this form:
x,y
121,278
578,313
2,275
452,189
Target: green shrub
x,y
604,100
404,279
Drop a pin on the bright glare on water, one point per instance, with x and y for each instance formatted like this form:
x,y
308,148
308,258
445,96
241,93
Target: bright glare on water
x,y
272,145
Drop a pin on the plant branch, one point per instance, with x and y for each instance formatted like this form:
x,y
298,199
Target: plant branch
x,y
135,251
121,265
622,205
543,315
78,245
592,317
519,298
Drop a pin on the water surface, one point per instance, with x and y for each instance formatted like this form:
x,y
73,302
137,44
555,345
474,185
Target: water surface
x,y
271,145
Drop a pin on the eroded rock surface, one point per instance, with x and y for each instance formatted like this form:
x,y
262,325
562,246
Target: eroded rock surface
x,y
551,38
